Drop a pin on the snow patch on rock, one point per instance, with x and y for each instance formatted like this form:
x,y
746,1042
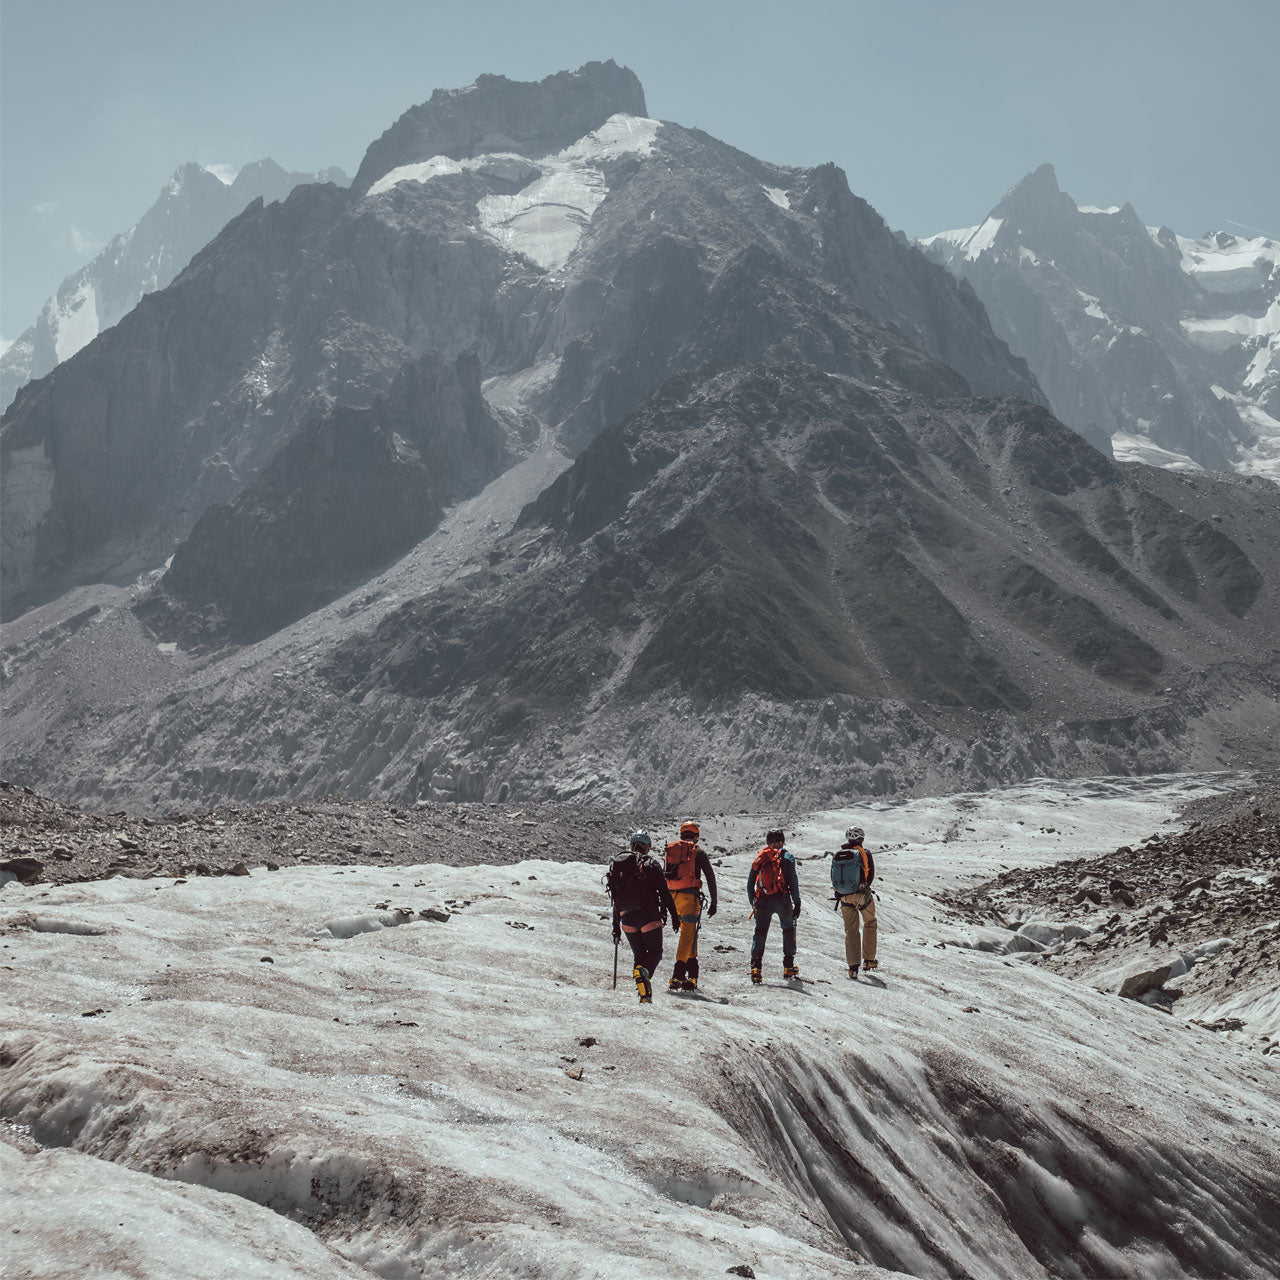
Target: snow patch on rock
x,y
545,219
983,238
1128,446
73,319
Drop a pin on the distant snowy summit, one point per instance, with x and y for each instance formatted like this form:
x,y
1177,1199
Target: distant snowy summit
x,y
1166,347
194,205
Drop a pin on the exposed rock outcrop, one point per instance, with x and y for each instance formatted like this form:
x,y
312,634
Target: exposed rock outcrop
x,y
351,491
193,207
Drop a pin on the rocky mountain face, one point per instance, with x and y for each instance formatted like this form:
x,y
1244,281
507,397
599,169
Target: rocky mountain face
x,y
782,547
1165,346
194,206
581,279
777,585
652,474
346,494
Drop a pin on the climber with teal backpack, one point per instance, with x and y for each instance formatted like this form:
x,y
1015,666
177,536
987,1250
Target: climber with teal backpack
x,y
852,871
774,889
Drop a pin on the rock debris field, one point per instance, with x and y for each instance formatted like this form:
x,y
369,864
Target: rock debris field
x,y
71,845
1193,913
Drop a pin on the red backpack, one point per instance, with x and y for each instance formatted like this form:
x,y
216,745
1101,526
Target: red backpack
x,y
768,869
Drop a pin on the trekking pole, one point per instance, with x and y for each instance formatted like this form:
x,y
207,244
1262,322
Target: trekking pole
x,y
616,943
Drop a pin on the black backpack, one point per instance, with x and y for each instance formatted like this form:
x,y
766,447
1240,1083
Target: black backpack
x,y
625,880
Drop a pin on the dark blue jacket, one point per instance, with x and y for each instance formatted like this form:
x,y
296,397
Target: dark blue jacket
x,y
789,878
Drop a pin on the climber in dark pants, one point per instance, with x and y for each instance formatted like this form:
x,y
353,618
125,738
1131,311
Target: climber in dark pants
x,y
774,889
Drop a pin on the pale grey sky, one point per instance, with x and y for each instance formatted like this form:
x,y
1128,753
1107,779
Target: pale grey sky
x,y
933,108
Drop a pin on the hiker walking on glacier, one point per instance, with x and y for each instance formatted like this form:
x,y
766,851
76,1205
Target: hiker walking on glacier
x,y
642,904
852,871
686,865
773,888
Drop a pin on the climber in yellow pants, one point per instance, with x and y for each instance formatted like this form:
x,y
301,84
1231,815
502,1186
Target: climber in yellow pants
x,y
686,865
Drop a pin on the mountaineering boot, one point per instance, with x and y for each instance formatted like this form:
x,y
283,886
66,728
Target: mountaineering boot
x,y
756,976
853,972
790,969
678,975
868,965
691,974
643,986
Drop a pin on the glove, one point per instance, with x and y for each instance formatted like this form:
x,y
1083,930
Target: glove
x,y
617,936
711,910
796,912
675,924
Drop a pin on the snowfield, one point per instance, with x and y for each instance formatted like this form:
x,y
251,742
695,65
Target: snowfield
x,y
545,219
298,1073
73,319
1130,447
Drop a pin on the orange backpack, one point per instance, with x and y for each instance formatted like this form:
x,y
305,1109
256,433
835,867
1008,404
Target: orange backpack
x,y
768,869
682,866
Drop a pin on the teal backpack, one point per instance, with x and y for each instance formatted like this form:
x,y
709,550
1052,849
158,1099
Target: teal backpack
x,y
847,874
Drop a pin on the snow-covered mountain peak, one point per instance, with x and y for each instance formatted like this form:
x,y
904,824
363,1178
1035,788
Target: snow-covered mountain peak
x,y
619,135
558,194
494,115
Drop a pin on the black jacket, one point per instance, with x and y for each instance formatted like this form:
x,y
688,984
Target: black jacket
x,y
704,870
